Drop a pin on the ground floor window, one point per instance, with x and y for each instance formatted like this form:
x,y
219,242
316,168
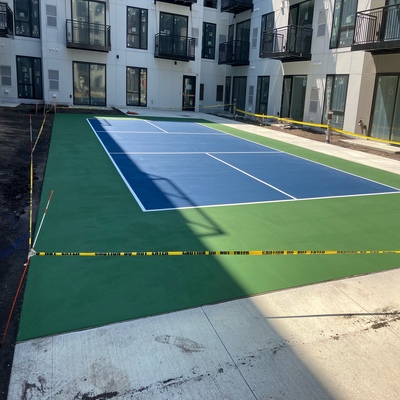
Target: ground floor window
x,y
136,86
89,84
385,122
335,99
29,76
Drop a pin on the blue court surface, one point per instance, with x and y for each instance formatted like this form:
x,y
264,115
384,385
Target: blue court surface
x,y
169,165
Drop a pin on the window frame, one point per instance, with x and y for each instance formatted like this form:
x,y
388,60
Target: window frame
x,y
208,51
89,88
337,24
37,90
143,36
34,6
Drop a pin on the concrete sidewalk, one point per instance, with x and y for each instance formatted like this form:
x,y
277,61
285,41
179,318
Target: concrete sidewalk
x,y
334,340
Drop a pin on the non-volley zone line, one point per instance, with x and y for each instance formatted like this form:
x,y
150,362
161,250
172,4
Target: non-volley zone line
x,y
212,253
144,126
190,152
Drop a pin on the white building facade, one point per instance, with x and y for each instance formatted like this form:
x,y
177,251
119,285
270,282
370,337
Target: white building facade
x,y
288,58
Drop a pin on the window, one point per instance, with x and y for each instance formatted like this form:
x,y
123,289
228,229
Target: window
x,y
344,16
210,3
89,84
201,96
174,34
26,14
89,25
208,48
335,99
29,77
136,86
136,35
267,24
220,93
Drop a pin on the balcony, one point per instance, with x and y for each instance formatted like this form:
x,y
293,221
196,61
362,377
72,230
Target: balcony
x,y
186,3
234,53
378,30
6,21
289,43
236,6
174,47
88,36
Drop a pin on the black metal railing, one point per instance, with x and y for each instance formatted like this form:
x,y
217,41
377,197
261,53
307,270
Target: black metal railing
x,y
6,20
174,47
234,53
88,36
236,6
377,28
289,43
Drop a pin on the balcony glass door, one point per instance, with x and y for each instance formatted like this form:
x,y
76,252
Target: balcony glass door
x,y
174,32
89,20
392,20
300,16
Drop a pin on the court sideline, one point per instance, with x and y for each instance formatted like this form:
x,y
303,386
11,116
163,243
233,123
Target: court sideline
x,y
339,339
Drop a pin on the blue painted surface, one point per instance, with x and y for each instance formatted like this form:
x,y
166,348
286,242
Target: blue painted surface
x,y
301,178
164,181
197,166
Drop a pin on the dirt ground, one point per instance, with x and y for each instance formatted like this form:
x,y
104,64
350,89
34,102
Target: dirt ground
x,y
15,150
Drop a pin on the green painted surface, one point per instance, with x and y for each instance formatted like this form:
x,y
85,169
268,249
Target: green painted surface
x,y
92,210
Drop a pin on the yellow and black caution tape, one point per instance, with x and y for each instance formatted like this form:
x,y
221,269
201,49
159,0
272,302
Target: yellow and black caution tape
x,y
211,253
324,126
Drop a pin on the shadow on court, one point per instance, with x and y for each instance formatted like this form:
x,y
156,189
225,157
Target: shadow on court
x,y
92,210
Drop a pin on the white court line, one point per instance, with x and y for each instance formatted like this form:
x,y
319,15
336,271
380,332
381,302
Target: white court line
x,y
270,201
156,126
190,152
130,132
252,176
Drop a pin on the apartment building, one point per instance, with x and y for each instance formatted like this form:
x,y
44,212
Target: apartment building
x,y
289,58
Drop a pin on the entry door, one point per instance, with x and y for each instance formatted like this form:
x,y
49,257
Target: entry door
x,y
262,95
293,97
189,93
227,106
239,92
